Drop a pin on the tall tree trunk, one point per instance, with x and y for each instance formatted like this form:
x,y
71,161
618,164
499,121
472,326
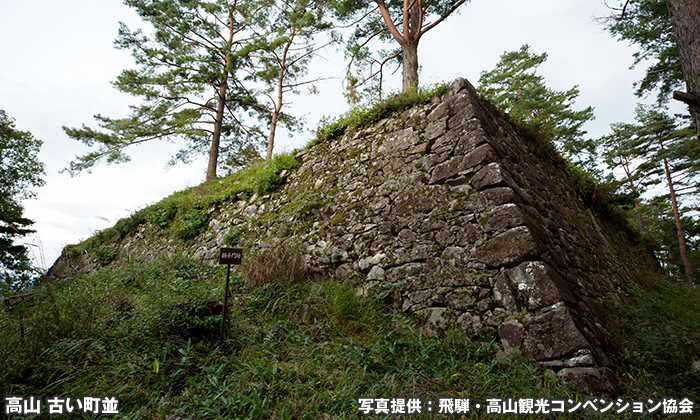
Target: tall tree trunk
x,y
273,123
280,87
216,137
410,65
637,205
685,19
412,23
679,227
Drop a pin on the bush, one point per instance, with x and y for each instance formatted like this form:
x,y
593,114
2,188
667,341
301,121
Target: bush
x,y
284,263
194,222
162,214
105,254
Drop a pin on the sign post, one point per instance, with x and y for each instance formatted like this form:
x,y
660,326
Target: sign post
x,y
228,256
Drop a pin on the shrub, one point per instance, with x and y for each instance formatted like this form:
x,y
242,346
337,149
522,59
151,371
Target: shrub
x,y
192,320
354,314
105,254
162,214
193,223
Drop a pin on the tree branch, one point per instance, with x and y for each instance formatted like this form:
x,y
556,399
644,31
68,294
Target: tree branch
x,y
389,23
455,7
691,99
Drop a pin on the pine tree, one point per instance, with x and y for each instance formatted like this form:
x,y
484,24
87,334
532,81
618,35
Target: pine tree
x,y
403,21
619,152
20,170
515,87
666,32
285,54
189,80
667,154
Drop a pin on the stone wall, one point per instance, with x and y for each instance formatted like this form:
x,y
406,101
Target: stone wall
x,y
444,210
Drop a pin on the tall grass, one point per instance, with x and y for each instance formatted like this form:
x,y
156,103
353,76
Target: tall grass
x,y
148,335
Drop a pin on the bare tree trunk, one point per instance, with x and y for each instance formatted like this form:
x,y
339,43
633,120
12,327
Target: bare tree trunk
x,y
637,205
273,123
679,228
280,92
412,22
685,19
410,65
216,137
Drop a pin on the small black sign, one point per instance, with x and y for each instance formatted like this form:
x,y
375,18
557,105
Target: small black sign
x,y
230,256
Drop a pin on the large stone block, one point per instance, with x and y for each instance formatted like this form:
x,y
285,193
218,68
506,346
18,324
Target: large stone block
x,y
509,248
491,176
481,155
457,102
399,140
503,217
552,335
601,381
417,201
530,286
511,333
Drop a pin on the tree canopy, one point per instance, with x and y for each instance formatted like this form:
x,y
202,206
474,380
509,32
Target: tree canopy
x,y
646,23
658,149
404,21
284,55
666,32
515,87
189,79
20,171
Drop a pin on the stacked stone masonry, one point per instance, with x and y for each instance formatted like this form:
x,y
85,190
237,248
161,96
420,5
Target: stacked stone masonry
x,y
448,213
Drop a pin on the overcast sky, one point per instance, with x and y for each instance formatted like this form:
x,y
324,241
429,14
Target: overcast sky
x,y
58,59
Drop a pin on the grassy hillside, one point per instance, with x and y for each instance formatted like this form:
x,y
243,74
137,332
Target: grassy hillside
x,y
298,345
148,335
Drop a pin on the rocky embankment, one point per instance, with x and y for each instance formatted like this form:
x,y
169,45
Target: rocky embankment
x,y
449,214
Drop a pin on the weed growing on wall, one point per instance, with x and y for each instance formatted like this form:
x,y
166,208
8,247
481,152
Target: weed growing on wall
x,y
364,115
185,214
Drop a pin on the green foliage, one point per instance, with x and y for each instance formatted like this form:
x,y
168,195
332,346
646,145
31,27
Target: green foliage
x,y
664,326
193,223
147,334
538,141
193,321
367,61
288,46
647,24
362,116
186,70
185,214
20,171
162,216
234,235
355,314
589,188
655,150
662,234
105,255
515,87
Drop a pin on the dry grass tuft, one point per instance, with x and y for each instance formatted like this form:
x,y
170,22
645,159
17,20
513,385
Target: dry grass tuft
x,y
282,263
